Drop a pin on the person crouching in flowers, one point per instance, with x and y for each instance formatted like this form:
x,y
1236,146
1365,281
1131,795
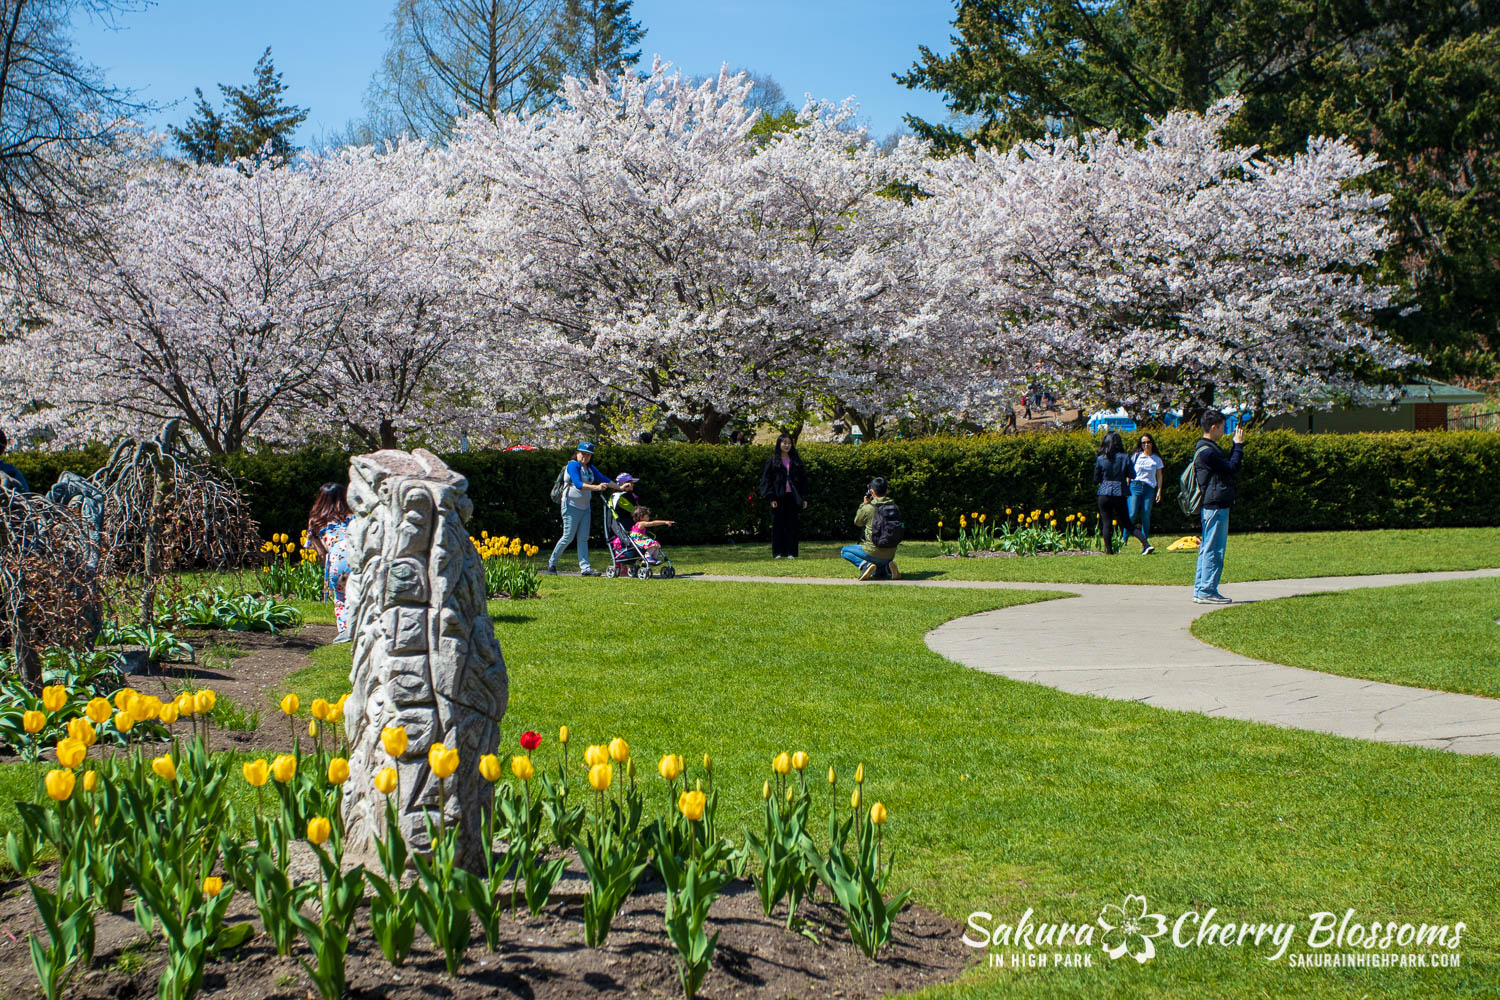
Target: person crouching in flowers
x,y
328,533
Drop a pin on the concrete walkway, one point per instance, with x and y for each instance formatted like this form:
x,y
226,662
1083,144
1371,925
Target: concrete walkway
x,y
1132,643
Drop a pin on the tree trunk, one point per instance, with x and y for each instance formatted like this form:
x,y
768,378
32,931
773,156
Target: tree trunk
x,y
150,557
388,439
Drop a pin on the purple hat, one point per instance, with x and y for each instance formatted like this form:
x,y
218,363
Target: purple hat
x,y
625,479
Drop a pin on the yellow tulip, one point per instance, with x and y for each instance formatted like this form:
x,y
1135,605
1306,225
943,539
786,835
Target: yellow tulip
x,y
783,763
859,775
54,697
562,734
98,711
594,754
59,782
164,767
708,763
669,767
186,706
385,780
618,750
82,730
204,701
799,761
167,713
832,778
691,804
443,760
290,704
312,728
212,886
790,790
124,721
70,752
1007,512
122,697
256,772
522,768
854,799
145,707
33,721
877,814
983,518
90,780
489,767
394,739
284,767
335,713
601,776
765,789
338,771
320,709
318,830
1054,522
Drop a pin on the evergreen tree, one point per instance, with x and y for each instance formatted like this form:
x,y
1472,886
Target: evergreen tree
x,y
593,35
255,122
1417,82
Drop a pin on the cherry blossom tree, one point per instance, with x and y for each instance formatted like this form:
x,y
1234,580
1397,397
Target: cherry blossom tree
x,y
1172,267
648,249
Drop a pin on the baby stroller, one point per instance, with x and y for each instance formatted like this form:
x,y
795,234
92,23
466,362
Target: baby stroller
x,y
628,558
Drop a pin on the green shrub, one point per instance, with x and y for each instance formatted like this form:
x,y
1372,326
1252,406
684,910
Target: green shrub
x,y
1290,482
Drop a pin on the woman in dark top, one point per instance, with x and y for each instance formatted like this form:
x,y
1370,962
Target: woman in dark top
x,y
783,481
1112,474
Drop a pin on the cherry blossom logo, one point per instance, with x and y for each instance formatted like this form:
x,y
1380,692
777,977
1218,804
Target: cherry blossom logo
x,y
1128,929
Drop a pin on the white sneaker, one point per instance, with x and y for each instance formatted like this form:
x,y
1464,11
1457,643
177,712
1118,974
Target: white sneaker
x,y
1148,550
866,570
791,557
777,557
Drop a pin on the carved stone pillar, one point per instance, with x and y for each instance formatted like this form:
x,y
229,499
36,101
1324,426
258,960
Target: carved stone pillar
x,y
425,654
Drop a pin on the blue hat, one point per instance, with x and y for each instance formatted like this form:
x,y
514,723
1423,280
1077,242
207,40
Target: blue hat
x,y
587,447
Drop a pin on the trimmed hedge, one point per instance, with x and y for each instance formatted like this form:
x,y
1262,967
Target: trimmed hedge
x,y
1290,482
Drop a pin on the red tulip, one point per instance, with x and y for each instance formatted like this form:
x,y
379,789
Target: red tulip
x,y
530,740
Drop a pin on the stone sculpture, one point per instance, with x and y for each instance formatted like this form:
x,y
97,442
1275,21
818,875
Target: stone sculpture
x,y
425,654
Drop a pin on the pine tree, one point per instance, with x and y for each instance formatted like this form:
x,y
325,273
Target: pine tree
x,y
256,123
593,35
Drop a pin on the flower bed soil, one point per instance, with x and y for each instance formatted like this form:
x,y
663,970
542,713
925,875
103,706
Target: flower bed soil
x,y
543,958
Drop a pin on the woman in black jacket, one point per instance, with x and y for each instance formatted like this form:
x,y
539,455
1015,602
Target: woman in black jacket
x,y
1112,474
783,481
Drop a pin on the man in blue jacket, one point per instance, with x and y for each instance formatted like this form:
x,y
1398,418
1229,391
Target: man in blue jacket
x,y
1215,474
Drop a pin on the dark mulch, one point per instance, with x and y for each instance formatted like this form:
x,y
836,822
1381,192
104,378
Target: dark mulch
x,y
542,958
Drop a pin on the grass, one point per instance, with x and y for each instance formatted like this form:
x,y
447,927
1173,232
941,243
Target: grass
x,y
1006,796
1251,556
1433,635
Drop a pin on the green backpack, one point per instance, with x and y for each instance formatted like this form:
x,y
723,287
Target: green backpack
x,y
1189,490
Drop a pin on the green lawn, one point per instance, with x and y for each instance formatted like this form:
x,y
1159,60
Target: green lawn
x,y
1006,795
1433,635
1252,556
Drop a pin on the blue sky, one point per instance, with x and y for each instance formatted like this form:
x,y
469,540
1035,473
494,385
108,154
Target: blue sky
x,y
327,49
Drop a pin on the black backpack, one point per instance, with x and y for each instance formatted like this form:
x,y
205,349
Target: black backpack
x,y
560,485
886,529
1189,490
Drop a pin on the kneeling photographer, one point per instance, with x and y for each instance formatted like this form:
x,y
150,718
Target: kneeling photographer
x,y
878,514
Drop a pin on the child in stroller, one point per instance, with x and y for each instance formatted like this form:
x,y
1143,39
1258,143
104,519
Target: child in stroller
x,y
628,525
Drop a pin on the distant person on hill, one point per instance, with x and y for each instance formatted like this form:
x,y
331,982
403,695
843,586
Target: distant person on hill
x,y
783,483
1112,473
881,519
6,469
1146,481
328,534
1215,474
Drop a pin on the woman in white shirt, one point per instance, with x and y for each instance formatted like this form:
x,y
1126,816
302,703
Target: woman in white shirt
x,y
1145,485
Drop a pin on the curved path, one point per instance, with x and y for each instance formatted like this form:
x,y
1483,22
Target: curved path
x,y
1131,642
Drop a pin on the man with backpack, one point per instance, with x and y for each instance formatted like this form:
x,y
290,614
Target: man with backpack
x,y
573,492
881,519
1208,484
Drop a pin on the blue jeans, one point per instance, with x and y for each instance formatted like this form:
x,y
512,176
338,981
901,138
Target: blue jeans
x,y
1142,498
1211,552
575,525
856,555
